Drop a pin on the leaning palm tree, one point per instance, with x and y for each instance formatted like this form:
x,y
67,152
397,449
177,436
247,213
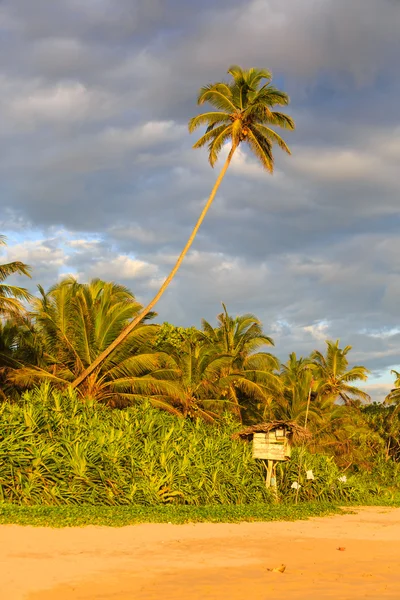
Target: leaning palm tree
x,y
11,295
243,112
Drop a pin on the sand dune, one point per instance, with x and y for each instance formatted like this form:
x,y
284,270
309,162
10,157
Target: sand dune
x,y
212,561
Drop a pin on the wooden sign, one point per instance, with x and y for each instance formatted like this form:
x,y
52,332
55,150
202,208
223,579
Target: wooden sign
x,y
267,446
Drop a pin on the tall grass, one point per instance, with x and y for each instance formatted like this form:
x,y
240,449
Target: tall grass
x,y
56,449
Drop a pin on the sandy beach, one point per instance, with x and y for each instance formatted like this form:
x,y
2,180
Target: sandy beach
x,y
213,561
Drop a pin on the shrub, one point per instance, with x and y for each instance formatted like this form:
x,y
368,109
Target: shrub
x,y
57,449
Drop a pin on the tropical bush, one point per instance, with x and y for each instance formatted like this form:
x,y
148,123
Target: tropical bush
x,y
327,483
57,449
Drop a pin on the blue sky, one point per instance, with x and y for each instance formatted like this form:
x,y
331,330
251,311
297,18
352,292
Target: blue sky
x,y
98,177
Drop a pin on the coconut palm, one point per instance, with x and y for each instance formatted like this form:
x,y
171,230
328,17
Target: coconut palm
x,y
385,421
297,401
393,396
241,337
252,371
344,432
209,381
76,322
201,367
243,113
334,376
20,345
11,295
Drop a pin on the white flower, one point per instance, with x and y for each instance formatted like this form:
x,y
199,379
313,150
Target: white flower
x,y
343,478
295,485
310,474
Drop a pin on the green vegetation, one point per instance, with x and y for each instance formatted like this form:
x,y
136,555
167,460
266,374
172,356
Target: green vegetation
x,y
56,449
119,516
102,407
10,295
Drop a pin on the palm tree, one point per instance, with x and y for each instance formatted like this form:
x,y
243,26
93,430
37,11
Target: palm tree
x,y
253,373
393,396
243,113
20,345
335,378
344,432
385,421
240,337
209,383
10,295
75,323
200,367
297,399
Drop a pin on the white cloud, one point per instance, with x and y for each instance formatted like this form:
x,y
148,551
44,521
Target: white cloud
x,y
122,268
318,331
37,254
377,391
113,148
143,136
374,163
27,104
80,244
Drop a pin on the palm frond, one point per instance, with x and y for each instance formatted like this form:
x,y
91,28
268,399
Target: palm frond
x,y
217,143
262,149
209,136
209,118
14,268
218,95
272,136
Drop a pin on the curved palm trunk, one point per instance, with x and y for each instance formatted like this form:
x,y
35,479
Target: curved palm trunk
x,y
164,286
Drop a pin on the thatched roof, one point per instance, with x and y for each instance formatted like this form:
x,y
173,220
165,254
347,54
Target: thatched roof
x,y
297,433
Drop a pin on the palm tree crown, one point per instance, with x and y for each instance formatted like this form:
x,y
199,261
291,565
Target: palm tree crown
x,y
243,115
10,295
334,376
393,396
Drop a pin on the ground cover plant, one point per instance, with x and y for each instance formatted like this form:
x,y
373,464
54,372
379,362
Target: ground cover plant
x,y
120,516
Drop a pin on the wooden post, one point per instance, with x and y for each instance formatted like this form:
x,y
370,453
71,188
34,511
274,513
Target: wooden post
x,y
274,483
269,473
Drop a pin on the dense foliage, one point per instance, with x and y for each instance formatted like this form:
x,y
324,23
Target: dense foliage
x,y
56,449
59,446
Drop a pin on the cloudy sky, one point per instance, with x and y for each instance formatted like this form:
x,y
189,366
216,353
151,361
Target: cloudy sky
x,y
98,177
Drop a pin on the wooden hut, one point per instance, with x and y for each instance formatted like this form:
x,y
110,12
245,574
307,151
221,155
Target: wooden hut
x,y
273,442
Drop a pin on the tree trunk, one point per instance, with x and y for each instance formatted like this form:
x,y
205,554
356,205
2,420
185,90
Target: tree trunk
x,y
164,286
